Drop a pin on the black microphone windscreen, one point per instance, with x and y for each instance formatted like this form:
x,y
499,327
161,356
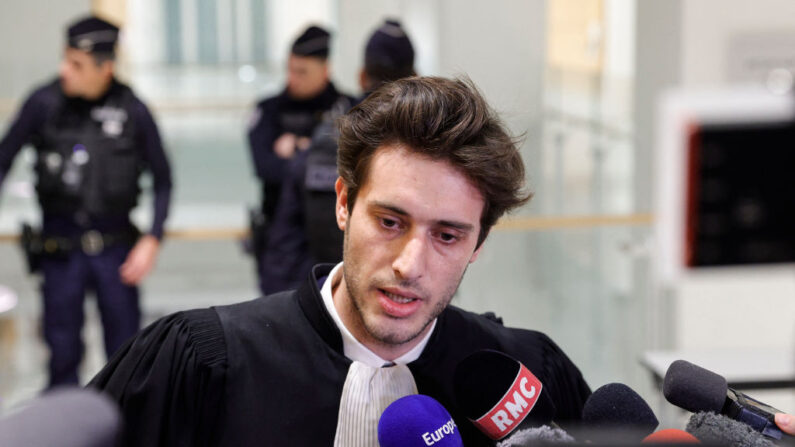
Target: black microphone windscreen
x,y
536,435
616,405
481,379
694,388
499,395
714,428
66,418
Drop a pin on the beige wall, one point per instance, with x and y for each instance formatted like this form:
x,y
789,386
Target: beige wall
x,y
114,11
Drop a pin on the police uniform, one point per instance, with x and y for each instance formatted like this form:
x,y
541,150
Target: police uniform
x,y
282,114
303,230
89,157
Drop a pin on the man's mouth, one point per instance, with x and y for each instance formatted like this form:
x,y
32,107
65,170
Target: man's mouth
x,y
398,305
398,298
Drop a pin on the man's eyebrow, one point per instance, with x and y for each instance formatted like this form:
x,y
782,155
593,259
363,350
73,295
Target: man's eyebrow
x,y
390,207
461,226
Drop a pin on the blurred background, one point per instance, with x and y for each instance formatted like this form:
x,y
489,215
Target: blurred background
x,y
603,92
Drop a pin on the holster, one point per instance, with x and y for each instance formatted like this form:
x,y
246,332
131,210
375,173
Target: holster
x,y
254,243
32,245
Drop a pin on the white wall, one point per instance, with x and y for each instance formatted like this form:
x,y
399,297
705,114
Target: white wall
x,y
144,39
34,33
729,307
500,45
708,27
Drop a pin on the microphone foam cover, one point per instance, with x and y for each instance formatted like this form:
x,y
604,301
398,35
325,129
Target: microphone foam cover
x,y
536,435
417,420
671,436
718,429
616,405
481,380
67,417
694,388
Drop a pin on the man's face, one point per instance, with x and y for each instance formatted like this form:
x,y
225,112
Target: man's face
x,y
408,241
306,76
80,74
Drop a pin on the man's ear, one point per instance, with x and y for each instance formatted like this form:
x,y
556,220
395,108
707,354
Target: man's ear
x,y
476,253
341,209
364,80
107,67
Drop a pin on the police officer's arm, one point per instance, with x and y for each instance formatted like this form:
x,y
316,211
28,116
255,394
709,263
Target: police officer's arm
x,y
142,257
28,121
263,132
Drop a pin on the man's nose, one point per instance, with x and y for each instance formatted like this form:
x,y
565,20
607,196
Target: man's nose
x,y
410,262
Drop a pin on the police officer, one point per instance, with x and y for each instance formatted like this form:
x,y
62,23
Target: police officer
x,y
304,229
93,138
282,125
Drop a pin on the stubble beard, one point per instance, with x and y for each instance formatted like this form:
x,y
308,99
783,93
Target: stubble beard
x,y
377,334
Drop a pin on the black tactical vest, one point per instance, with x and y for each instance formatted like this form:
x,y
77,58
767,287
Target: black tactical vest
x,y
89,162
324,237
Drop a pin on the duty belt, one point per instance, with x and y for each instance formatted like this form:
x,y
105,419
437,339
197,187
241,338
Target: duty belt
x,y
92,242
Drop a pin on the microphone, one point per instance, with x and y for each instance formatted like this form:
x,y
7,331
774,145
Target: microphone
x,y
670,436
718,429
499,395
417,420
696,389
535,436
64,417
615,410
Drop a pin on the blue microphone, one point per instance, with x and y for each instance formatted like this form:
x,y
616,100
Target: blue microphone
x,y
417,420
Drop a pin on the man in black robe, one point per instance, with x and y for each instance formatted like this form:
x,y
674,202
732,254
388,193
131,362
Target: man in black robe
x,y
426,169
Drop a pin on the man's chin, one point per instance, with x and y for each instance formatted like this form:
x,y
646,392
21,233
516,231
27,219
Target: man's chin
x,y
67,91
396,337
303,95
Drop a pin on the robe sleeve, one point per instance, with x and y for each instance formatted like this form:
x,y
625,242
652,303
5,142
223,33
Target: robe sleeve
x,y
569,388
169,381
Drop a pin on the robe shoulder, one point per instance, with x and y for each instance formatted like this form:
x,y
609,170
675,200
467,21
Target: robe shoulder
x,y
169,381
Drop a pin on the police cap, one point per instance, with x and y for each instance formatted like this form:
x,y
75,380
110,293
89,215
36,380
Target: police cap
x,y
389,49
313,42
93,35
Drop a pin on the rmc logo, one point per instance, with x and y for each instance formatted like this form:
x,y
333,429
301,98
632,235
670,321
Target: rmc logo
x,y
515,405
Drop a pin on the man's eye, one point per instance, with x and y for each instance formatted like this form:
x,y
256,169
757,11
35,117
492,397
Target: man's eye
x,y
448,237
389,223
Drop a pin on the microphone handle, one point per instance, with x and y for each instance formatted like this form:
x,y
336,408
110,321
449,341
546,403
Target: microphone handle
x,y
755,414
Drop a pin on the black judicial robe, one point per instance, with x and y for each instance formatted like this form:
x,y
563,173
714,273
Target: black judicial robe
x,y
270,372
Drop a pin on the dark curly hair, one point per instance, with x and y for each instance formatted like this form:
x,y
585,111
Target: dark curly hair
x,y
443,119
